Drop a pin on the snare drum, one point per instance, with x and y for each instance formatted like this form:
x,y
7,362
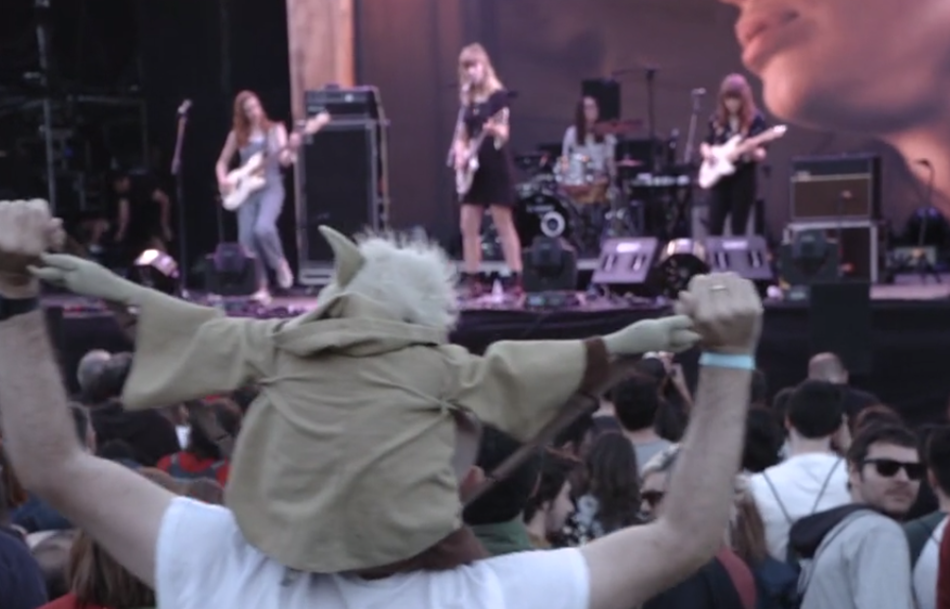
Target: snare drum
x,y
543,212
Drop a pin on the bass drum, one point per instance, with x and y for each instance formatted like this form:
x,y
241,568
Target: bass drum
x,y
542,212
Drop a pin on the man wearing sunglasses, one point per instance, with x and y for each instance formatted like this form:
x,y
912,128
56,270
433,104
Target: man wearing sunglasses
x,y
856,556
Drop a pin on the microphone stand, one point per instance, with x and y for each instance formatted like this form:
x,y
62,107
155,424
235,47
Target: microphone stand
x,y
921,261
651,117
693,126
183,266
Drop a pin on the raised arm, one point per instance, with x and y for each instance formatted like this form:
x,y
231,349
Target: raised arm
x,y
227,153
183,351
39,435
631,566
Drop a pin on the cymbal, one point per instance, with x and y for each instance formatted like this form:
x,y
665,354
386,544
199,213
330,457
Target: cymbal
x,y
619,127
629,163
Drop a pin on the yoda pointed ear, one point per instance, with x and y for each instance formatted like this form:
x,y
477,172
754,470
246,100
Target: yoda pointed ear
x,y
347,257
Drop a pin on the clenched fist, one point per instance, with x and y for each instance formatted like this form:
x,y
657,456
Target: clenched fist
x,y
726,311
27,230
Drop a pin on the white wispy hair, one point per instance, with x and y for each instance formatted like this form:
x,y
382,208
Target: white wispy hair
x,y
410,276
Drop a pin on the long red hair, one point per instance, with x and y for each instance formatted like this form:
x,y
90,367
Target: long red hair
x,y
241,124
735,86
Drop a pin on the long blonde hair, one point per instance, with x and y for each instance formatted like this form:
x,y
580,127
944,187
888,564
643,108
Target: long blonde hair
x,y
476,53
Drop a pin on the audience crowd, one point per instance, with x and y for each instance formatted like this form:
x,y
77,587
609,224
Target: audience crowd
x,y
838,503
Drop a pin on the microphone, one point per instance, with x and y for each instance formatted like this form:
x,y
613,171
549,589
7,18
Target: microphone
x,y
698,91
184,107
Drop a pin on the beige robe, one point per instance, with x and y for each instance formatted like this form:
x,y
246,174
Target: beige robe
x,y
344,462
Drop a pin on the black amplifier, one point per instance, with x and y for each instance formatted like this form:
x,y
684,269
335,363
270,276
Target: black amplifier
x,y
844,187
357,102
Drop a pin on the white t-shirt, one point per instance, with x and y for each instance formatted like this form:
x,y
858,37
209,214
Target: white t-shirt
x,y
925,571
203,562
798,481
599,153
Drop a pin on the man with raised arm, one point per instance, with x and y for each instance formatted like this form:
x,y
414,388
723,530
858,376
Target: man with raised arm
x,y
381,472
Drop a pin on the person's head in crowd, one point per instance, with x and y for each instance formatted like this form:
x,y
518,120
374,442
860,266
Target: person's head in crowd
x,y
98,580
106,380
636,402
118,451
90,367
224,414
52,555
672,413
745,534
507,499
814,412
613,480
827,367
884,468
878,414
937,458
780,402
654,480
758,389
550,506
763,440
576,438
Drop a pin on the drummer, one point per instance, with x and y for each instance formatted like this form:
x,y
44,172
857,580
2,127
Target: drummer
x,y
583,138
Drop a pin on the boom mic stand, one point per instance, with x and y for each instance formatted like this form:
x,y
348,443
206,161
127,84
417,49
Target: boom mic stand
x,y
651,117
183,267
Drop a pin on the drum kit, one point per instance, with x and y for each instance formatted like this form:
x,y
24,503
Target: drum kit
x,y
573,197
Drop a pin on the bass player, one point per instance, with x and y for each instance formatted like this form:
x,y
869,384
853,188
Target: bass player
x,y
734,195
253,132
484,107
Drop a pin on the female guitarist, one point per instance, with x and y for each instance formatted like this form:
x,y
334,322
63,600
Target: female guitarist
x,y
254,132
734,195
483,121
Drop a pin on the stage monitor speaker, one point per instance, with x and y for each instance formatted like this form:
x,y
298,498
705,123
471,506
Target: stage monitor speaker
x,y
231,271
836,188
839,319
746,256
343,185
607,93
626,264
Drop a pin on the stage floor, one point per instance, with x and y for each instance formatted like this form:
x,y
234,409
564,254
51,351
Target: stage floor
x,y
911,336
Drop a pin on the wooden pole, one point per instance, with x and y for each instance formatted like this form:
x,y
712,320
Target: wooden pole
x,y
321,36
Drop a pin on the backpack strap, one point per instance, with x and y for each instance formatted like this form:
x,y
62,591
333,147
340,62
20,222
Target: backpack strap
x,y
921,531
805,576
741,576
821,492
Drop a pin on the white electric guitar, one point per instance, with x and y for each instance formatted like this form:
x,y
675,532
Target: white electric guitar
x,y
466,175
249,177
722,159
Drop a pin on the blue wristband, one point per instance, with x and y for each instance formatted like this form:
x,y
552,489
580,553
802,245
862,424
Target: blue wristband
x,y
723,360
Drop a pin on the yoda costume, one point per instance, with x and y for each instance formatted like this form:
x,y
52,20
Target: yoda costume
x,y
345,460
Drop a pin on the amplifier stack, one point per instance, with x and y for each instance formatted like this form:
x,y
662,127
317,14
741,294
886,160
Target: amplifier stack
x,y
344,177
841,196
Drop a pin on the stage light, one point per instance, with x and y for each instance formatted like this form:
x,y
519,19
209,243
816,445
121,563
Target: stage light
x,y
550,265
231,271
157,270
680,261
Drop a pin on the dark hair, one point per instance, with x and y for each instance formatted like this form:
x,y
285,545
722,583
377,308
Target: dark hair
x,y
878,414
614,481
228,416
896,435
110,380
937,456
555,468
81,421
636,402
780,401
763,440
815,409
508,498
580,121
575,432
758,388
116,450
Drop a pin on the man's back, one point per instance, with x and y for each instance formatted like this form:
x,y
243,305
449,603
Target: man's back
x,y
799,486
204,561
21,583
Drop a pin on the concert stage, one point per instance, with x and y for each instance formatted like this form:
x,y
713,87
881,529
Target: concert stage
x,y
911,338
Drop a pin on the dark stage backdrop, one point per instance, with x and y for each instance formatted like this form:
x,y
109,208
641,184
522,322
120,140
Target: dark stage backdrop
x,y
543,49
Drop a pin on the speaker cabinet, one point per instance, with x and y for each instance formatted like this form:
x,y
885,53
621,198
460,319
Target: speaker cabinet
x,y
747,257
836,188
343,186
840,320
625,263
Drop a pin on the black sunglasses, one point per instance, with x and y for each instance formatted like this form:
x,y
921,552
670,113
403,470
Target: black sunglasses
x,y
652,497
889,468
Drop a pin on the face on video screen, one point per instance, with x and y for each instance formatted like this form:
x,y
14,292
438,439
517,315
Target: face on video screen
x,y
861,65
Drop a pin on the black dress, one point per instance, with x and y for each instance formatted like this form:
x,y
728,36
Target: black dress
x,y
733,195
493,183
